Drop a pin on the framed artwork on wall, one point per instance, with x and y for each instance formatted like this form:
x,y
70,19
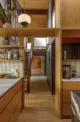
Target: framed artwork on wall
x,y
37,67
36,63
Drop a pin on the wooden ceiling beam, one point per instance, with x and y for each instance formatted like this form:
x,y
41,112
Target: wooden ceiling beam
x,y
34,32
36,11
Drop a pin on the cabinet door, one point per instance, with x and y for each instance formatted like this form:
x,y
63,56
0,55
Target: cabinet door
x,y
66,110
66,96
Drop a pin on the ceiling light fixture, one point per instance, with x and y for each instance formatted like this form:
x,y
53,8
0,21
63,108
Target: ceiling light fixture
x,y
24,19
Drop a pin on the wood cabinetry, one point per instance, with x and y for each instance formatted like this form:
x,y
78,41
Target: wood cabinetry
x,y
66,110
67,87
11,103
69,48
66,104
68,21
66,96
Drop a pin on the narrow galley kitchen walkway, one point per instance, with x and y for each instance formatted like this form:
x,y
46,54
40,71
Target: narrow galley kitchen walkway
x,y
39,104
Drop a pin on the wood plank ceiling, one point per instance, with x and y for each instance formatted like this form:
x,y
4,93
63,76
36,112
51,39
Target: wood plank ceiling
x,y
38,10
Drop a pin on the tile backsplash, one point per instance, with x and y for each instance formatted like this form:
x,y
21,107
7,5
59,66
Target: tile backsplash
x,y
74,66
9,67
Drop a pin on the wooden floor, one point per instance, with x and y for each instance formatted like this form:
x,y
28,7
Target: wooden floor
x,y
39,105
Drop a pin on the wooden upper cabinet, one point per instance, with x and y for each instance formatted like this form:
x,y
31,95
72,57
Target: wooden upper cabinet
x,y
34,4
70,14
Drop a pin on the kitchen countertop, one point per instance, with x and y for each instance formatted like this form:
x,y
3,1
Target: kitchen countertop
x,y
6,84
72,80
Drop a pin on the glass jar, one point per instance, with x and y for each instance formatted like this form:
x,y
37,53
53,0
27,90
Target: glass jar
x,y
15,55
6,54
9,54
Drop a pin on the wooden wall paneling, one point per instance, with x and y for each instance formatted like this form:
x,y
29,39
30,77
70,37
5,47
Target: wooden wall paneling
x,y
58,60
70,11
58,13
38,21
34,4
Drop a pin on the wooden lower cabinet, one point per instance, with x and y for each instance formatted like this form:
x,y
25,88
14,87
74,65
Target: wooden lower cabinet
x,y
16,113
66,104
66,110
13,103
10,108
71,85
67,87
8,96
66,96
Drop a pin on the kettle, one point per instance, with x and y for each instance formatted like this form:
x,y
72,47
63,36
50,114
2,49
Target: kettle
x,y
66,71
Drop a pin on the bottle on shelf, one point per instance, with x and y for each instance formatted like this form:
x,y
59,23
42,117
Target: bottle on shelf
x,y
15,55
65,55
17,73
6,54
9,54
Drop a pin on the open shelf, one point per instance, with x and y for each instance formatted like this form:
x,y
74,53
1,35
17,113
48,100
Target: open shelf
x,y
10,60
11,46
35,32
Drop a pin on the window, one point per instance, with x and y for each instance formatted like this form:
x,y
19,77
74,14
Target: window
x,y
28,46
40,42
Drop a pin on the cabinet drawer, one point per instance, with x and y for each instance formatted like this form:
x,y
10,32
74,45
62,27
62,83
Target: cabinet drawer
x,y
4,100
7,113
66,96
66,110
71,85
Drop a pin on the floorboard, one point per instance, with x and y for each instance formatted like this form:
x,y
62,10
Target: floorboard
x,y
39,105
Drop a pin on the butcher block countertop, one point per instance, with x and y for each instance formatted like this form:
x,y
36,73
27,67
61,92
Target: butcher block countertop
x,y
6,84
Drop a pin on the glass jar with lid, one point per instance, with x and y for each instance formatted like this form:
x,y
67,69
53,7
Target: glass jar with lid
x,y
15,55
9,54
